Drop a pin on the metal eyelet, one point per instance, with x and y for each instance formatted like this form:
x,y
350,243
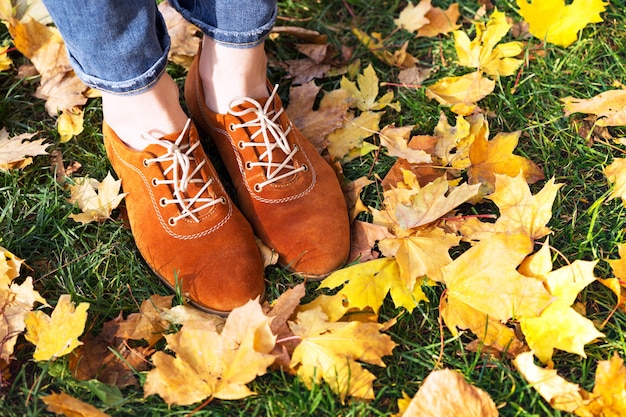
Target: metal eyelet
x,y
162,202
258,188
171,221
305,168
240,144
146,163
231,127
248,165
223,200
154,182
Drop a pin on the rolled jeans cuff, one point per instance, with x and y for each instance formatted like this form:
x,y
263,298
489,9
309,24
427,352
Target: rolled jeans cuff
x,y
136,85
227,30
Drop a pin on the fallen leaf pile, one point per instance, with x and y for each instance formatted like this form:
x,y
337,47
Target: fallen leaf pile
x,y
500,286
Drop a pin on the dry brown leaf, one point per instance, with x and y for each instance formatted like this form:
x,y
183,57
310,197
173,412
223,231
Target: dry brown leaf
x,y
363,238
16,152
66,405
315,125
352,193
148,324
446,393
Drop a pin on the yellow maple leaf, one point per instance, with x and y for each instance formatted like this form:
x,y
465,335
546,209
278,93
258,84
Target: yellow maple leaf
x,y
421,254
461,93
364,92
410,206
16,152
95,206
413,17
483,53
66,405
615,174
558,392
491,332
399,58
396,139
56,335
347,142
43,45
331,351
446,393
557,22
16,300
365,285
609,106
212,364
608,398
618,266
559,326
485,278
495,156
70,123
520,211
5,61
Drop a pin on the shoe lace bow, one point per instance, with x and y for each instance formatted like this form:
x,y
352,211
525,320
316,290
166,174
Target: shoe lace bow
x,y
183,170
274,138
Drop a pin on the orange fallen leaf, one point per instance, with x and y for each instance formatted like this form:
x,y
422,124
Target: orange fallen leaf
x,y
495,156
148,324
66,405
440,21
446,393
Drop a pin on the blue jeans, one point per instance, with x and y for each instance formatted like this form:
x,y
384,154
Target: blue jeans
x,y
121,46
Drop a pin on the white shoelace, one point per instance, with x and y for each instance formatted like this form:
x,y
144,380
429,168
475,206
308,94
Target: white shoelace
x,y
274,138
181,158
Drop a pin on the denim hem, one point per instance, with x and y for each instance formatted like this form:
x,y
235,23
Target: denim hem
x,y
133,86
230,38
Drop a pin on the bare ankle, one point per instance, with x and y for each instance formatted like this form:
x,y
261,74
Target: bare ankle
x,y
156,112
228,73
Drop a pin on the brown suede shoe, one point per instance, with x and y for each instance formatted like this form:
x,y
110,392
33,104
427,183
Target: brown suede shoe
x,y
184,223
287,191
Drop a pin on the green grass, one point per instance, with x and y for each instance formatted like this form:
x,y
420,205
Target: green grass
x,y
99,264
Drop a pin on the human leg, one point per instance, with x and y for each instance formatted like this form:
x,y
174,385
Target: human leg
x,y
183,222
288,193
